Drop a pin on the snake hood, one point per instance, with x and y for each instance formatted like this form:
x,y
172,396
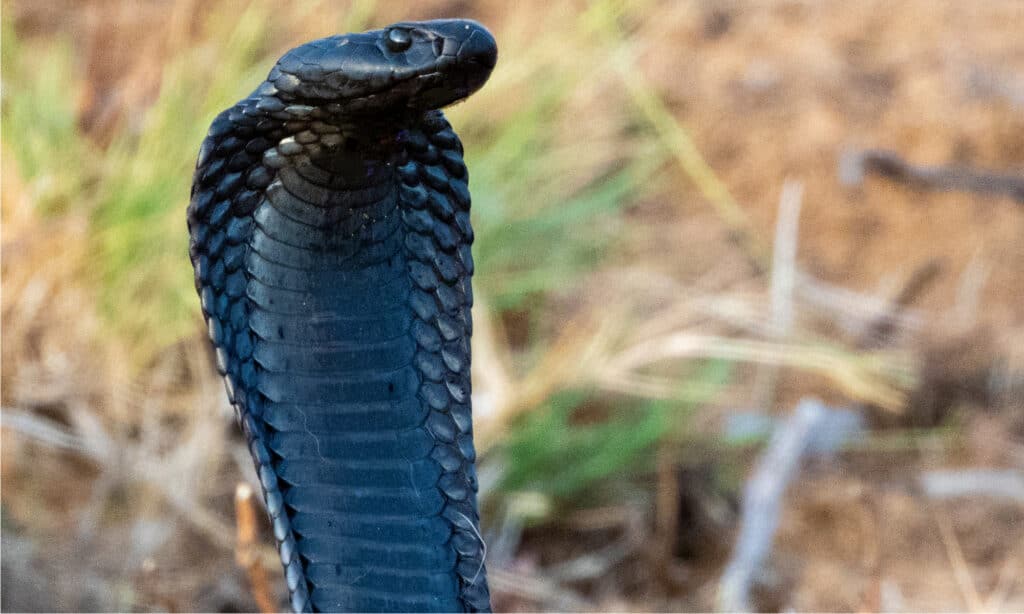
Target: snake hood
x,y
409,66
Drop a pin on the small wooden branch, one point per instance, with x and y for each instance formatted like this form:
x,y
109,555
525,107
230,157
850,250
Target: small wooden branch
x,y
854,165
247,549
879,333
762,503
999,484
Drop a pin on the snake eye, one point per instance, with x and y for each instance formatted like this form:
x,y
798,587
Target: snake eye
x,y
398,39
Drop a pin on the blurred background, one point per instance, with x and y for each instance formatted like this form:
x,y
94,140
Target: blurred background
x,y
720,360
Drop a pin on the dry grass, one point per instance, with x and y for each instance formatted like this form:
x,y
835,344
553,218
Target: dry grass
x,y
627,164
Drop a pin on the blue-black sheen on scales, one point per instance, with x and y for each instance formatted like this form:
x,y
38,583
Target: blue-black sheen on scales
x,y
330,237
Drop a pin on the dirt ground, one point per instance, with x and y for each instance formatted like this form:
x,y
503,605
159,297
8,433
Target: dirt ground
x,y
770,92
779,91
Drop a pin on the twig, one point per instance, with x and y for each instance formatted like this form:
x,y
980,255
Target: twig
x,y
854,165
762,504
998,484
879,332
666,508
246,549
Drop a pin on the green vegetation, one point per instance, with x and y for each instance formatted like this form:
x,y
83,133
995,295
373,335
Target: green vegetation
x,y
144,272
559,452
40,123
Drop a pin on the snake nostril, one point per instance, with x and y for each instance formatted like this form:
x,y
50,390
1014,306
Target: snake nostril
x,y
398,39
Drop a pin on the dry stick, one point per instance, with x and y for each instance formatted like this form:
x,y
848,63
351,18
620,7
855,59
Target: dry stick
x,y
45,431
1004,484
879,333
762,504
666,510
246,550
853,166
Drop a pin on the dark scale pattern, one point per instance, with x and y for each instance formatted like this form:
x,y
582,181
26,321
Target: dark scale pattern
x,y
440,267
331,244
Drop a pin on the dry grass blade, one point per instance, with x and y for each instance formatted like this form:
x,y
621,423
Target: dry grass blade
x,y
570,361
861,376
1009,576
781,284
783,278
955,554
492,380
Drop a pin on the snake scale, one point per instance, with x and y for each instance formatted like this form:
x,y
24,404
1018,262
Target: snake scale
x,y
330,237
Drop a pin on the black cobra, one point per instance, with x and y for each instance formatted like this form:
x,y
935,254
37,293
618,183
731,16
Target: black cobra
x,y
330,237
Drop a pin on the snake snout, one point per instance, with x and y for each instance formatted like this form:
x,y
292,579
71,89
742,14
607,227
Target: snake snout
x,y
469,42
474,50
480,48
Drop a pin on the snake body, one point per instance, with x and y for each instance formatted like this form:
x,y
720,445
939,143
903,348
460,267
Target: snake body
x,y
330,237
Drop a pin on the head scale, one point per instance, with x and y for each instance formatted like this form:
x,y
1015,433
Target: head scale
x,y
408,66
